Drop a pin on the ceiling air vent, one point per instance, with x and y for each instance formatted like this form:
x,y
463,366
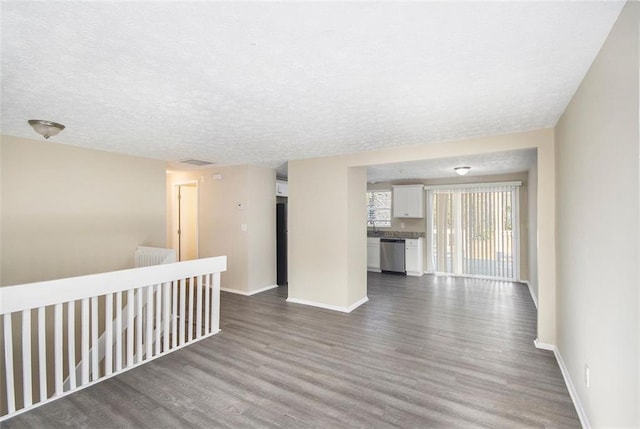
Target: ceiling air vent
x,y
197,162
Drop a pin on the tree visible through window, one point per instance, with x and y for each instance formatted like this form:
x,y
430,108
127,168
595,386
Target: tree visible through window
x,y
379,208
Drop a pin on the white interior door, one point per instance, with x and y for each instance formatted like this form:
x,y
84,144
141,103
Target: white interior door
x,y
186,221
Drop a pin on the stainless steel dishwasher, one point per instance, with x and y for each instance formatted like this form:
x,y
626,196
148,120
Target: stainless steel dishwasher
x,y
392,255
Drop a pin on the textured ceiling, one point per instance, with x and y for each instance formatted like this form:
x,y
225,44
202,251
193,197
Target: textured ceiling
x,y
264,82
516,161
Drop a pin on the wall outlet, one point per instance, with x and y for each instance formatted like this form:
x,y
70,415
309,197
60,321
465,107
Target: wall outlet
x,y
587,376
243,227
401,224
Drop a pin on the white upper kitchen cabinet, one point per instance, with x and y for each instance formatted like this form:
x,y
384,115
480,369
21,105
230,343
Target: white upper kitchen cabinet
x,y
408,201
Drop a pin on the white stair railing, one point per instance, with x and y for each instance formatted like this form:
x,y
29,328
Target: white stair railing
x,y
189,289
144,256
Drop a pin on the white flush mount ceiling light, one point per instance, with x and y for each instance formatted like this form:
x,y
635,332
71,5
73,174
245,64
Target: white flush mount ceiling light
x,y
46,128
462,170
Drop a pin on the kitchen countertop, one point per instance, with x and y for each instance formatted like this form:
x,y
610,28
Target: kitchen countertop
x,y
395,234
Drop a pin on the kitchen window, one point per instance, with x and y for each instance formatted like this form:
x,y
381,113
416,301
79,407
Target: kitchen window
x,y
379,208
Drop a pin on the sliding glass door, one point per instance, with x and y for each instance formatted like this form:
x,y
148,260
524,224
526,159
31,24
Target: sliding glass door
x,y
473,230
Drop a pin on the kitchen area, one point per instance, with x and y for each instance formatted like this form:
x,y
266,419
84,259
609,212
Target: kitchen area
x,y
470,217
395,233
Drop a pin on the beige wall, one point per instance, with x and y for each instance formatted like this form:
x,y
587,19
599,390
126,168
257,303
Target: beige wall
x,y
532,231
68,211
261,207
357,254
598,213
245,195
318,239
420,225
317,260
328,260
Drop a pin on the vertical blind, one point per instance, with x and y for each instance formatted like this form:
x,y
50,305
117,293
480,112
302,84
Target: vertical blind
x,y
444,248
474,231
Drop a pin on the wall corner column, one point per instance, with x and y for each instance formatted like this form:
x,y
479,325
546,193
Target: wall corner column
x,y
546,242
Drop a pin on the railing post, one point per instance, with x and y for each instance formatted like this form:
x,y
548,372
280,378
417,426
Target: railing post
x,y
95,368
190,291
131,303
199,284
71,342
84,342
148,328
42,354
183,315
174,313
158,314
108,343
166,315
26,358
118,331
216,303
57,339
8,359
207,304
139,315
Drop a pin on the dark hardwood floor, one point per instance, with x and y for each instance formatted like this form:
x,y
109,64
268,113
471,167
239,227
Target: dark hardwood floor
x,y
424,352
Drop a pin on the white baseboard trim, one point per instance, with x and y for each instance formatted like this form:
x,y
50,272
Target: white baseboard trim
x,y
572,390
543,346
357,304
328,306
533,296
584,421
248,293
374,270
414,273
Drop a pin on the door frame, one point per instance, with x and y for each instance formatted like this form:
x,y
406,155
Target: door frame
x,y
174,215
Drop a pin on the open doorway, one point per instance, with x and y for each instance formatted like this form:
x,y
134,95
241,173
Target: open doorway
x,y
482,224
185,220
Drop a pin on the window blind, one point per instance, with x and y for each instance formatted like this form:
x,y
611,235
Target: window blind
x,y
474,230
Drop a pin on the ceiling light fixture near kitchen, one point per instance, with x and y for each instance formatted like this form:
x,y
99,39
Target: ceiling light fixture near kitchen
x,y
196,162
462,170
46,128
